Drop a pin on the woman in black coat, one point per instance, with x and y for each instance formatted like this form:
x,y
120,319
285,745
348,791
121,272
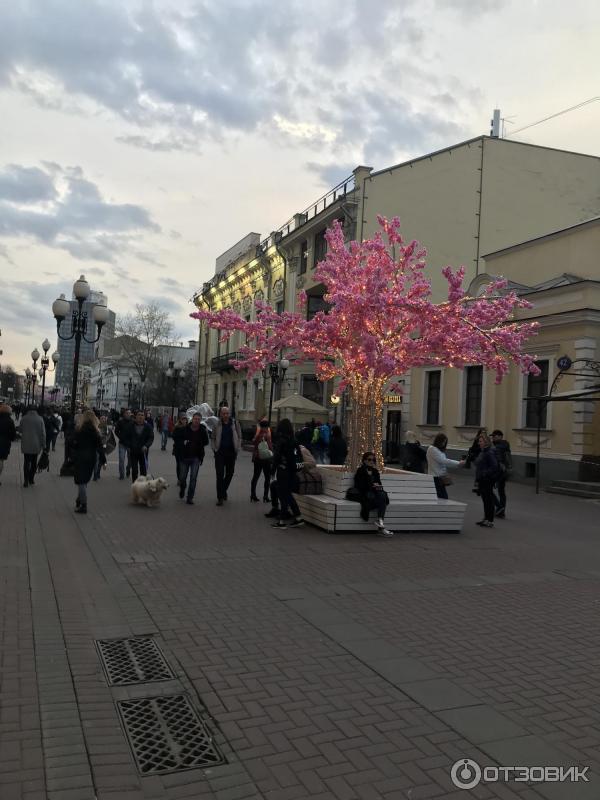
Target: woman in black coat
x,y
487,473
87,445
8,434
367,482
338,447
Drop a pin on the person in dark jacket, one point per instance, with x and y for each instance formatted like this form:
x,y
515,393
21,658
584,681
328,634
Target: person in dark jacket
x,y
8,433
415,456
487,471
140,438
87,448
504,457
338,447
193,441
123,430
226,442
475,448
286,458
367,482
305,435
52,428
178,437
262,465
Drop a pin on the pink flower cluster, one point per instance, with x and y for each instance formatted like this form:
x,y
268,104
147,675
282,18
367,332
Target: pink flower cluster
x,y
381,320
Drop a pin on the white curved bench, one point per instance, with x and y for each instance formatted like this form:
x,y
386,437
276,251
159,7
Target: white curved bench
x,y
414,504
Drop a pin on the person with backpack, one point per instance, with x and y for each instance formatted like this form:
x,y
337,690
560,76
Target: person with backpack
x,y
486,475
262,459
320,442
504,457
52,429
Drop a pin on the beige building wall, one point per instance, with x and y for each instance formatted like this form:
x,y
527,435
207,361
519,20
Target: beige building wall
x,y
481,196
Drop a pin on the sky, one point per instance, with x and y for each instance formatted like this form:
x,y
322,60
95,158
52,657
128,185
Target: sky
x,y
140,140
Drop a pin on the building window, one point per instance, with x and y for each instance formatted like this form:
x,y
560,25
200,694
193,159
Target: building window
x,y
312,388
320,246
216,396
314,304
224,388
303,257
473,394
537,386
244,394
233,393
279,307
218,342
432,409
254,393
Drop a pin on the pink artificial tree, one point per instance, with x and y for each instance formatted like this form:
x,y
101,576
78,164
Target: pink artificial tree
x,y
381,322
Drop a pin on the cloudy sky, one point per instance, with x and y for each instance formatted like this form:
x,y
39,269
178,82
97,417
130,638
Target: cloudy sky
x,y
140,139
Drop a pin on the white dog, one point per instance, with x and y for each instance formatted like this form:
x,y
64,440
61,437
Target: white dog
x,y
147,491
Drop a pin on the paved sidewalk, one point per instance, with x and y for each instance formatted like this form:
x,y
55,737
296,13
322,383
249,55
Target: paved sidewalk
x,y
343,667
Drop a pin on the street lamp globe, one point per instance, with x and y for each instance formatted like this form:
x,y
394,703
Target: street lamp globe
x,y
284,364
35,354
169,373
100,315
41,372
55,357
28,372
181,373
45,345
60,308
81,288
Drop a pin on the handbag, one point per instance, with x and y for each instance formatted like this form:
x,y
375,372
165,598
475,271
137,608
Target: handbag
x,y
111,442
353,495
44,462
309,482
264,454
446,480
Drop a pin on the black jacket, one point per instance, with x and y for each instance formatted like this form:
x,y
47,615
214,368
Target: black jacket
x,y
286,455
193,442
503,454
8,434
87,444
486,465
123,430
363,481
338,450
138,440
178,437
415,457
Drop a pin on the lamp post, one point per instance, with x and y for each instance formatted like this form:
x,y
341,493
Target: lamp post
x,y
130,385
174,374
335,401
35,354
45,362
277,375
79,326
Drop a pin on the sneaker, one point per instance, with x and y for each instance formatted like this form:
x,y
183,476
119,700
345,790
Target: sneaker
x,y
219,502
254,499
189,501
279,524
298,522
274,512
385,532
81,510
487,524
481,523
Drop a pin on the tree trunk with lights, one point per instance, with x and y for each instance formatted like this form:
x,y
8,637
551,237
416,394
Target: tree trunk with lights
x,y
366,421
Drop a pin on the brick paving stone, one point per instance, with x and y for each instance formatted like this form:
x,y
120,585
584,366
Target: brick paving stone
x,y
332,667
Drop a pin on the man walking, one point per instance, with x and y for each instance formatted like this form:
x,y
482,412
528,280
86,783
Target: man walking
x,y
33,441
504,459
141,437
123,433
194,439
226,442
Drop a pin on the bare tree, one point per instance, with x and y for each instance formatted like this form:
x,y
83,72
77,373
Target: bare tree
x,y
143,331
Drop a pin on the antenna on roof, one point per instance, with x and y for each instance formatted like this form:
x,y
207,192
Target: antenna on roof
x,y
495,123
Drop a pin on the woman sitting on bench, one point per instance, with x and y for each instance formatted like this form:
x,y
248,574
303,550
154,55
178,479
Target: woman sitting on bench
x,y
367,483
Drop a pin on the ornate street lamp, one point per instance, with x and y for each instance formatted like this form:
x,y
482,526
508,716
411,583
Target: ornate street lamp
x,y
277,375
79,326
27,386
35,354
174,374
45,362
130,385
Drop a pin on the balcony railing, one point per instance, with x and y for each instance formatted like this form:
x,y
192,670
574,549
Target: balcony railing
x,y
223,363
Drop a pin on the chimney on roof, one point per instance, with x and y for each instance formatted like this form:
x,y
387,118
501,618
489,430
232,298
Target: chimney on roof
x,y
495,123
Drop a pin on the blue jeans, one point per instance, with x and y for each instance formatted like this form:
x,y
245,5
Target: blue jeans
x,y
189,466
123,454
164,435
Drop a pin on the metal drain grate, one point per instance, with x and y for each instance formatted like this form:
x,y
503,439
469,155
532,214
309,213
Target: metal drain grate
x,y
166,734
133,661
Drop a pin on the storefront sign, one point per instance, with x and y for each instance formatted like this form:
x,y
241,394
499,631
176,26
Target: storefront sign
x,y
392,398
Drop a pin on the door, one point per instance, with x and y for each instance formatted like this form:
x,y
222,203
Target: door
x,y
392,444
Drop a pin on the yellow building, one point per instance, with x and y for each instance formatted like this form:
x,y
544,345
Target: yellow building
x,y
462,202
559,273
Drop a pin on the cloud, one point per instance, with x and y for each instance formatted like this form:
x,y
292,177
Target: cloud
x,y
59,207
330,174
324,75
